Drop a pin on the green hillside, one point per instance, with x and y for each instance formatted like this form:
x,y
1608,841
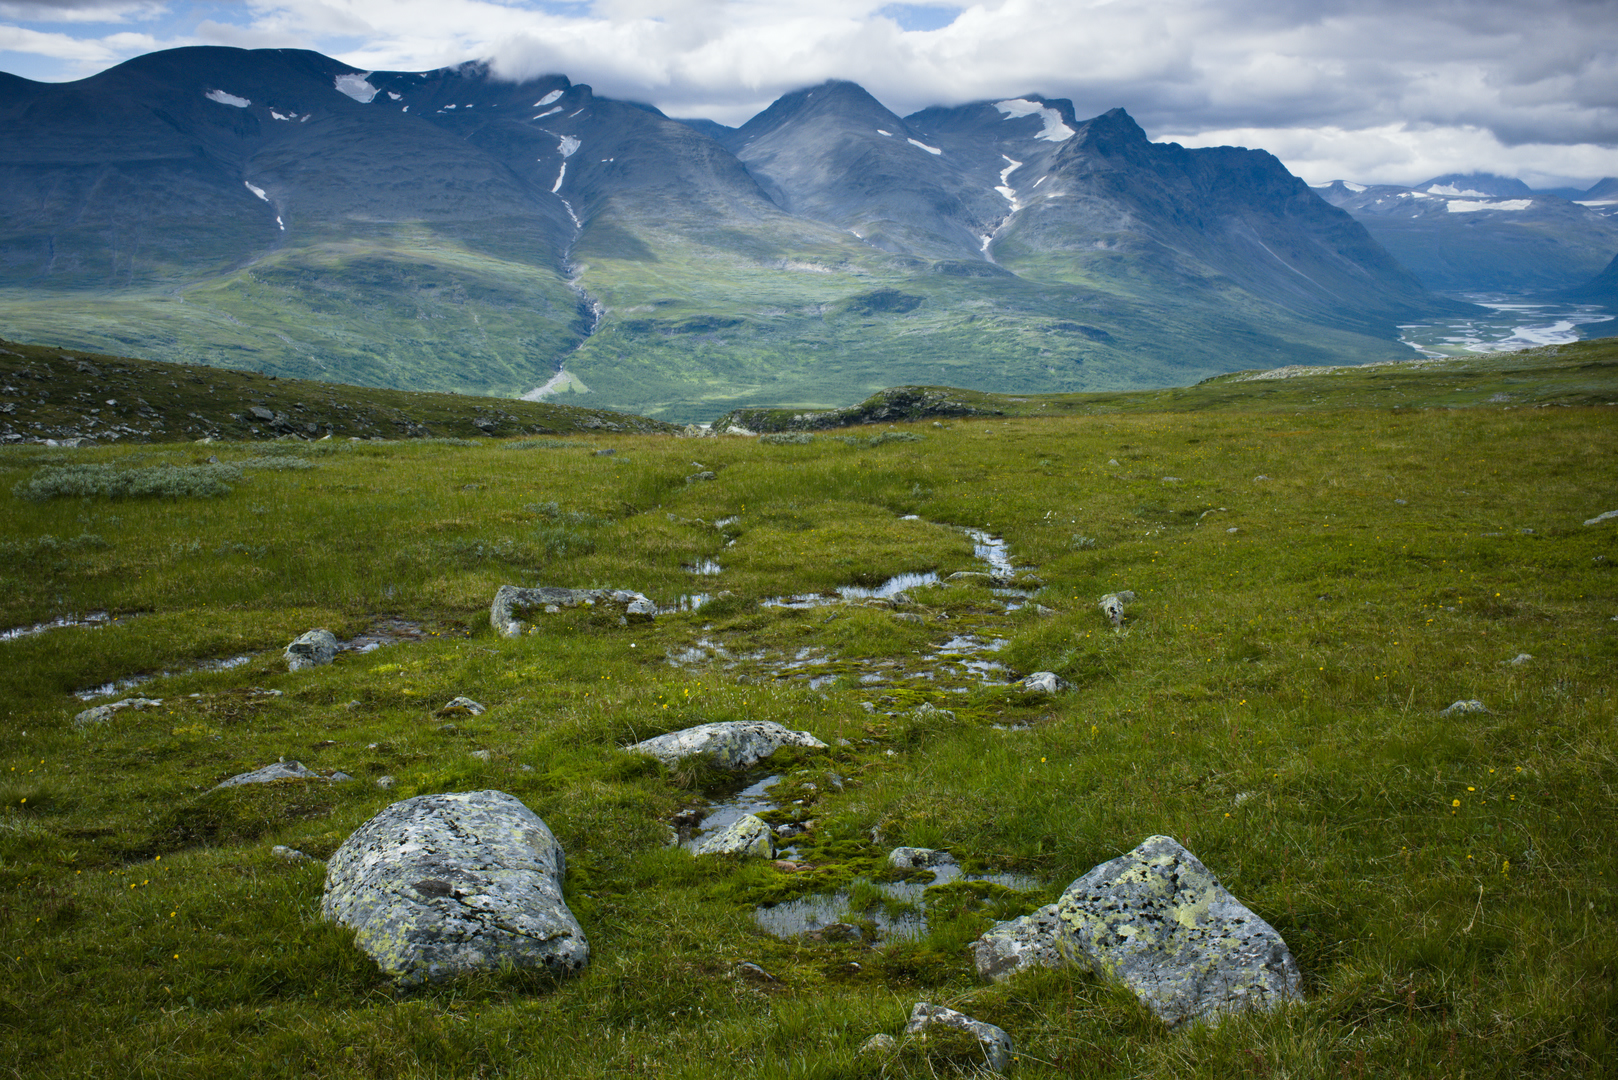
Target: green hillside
x,y
1318,576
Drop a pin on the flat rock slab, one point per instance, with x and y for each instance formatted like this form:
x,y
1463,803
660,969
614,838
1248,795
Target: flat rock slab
x,y
996,1044
280,770
511,604
314,649
1158,921
445,885
102,713
730,745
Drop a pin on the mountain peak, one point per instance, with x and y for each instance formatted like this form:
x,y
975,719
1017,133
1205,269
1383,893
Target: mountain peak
x,y
1476,185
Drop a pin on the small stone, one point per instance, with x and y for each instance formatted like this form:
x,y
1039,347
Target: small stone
x,y
996,1044
339,777
1112,606
314,649
753,973
748,836
462,706
1520,659
706,474
385,782
483,755
281,770
1113,462
102,713
1400,502
286,854
880,1043
1259,479
1233,530
837,931
1044,682
1460,708
916,858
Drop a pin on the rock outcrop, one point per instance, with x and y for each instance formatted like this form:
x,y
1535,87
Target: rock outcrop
x,y
511,603
1158,921
731,745
444,885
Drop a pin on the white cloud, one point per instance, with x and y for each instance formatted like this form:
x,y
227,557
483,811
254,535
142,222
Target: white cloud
x,y
1364,89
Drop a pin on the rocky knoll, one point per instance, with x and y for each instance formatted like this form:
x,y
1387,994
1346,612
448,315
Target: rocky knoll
x,y
444,885
1158,921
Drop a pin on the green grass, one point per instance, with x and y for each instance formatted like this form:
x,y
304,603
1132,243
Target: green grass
x,y
1445,884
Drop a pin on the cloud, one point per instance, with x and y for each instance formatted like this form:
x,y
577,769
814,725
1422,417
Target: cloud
x,y
80,11
1401,90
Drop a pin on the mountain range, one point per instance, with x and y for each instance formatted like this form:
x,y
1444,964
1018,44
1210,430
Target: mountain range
x,y
278,210
1481,233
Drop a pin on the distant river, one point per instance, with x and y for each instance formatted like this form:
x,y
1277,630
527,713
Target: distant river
x,y
1514,323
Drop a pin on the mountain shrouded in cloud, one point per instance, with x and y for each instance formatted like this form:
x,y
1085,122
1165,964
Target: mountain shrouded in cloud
x,y
449,229
1369,89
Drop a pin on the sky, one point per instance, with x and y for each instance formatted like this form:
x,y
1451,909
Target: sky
x,y
1374,91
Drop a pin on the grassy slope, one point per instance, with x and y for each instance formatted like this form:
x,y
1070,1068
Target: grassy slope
x,y
1446,885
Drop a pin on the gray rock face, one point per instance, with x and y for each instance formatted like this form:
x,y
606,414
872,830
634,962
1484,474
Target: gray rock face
x,y
1034,940
916,858
731,745
281,770
511,603
1159,922
102,713
1112,606
1044,682
1461,708
996,1044
445,885
314,649
748,836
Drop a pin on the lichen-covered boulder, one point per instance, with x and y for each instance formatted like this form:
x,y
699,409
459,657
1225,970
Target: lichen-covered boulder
x,y
511,604
994,1042
314,649
733,744
1158,920
1034,940
446,885
747,836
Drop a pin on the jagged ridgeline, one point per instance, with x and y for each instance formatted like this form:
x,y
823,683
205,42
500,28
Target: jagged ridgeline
x,y
276,210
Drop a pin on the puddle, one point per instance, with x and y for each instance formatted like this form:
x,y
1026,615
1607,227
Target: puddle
x,y
992,551
706,567
387,632
889,588
687,602
724,814
801,601
904,919
94,621
122,685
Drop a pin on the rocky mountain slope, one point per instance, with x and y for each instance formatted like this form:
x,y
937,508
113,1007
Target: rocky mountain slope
x,y
278,210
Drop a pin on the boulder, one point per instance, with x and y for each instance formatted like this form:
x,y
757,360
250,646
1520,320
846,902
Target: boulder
x,y
102,713
1158,921
918,858
1460,708
511,603
734,744
1044,682
314,649
1034,940
1112,606
445,885
995,1043
747,836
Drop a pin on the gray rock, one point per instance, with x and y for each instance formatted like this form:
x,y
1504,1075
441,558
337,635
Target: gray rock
x,y
1044,682
287,854
444,885
1112,606
1599,518
1158,921
748,836
510,603
996,1044
880,1043
1520,659
281,770
1460,708
705,474
462,706
1034,940
385,782
102,713
314,649
732,744
916,858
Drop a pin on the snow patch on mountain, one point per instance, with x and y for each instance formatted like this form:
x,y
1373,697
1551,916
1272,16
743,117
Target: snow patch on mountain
x,y
547,99
889,134
568,146
395,97
1005,187
1451,189
1054,131
1463,206
556,187
356,87
227,99
256,190
549,112
935,151
1355,188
